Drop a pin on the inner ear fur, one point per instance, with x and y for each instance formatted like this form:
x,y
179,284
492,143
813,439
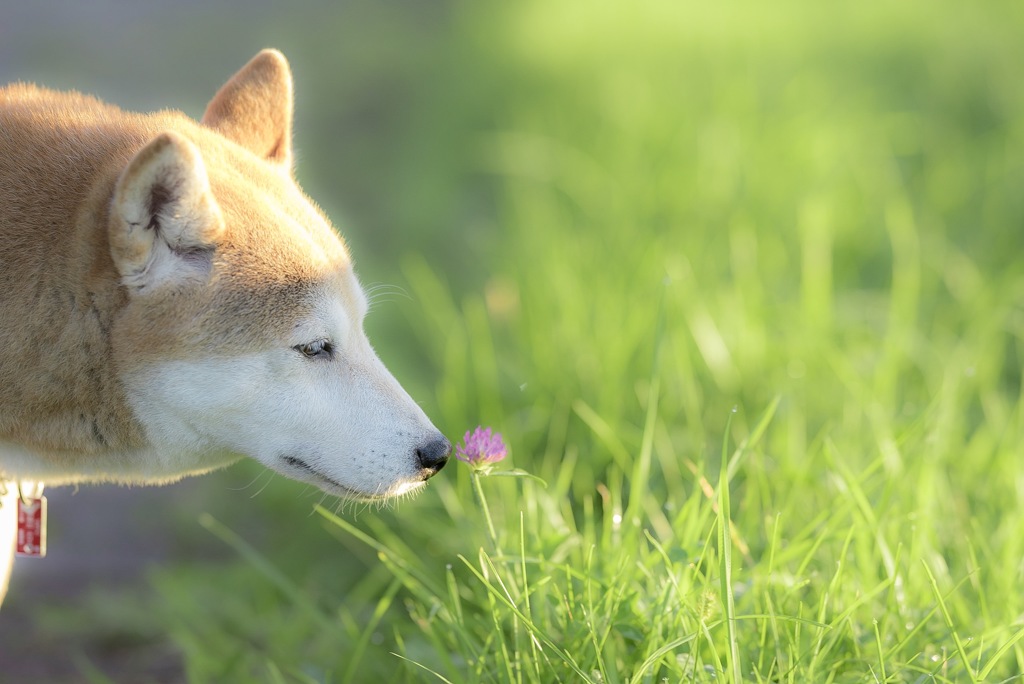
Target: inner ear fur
x,y
165,222
254,108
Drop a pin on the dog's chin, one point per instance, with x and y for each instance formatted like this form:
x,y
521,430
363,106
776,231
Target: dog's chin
x,y
297,469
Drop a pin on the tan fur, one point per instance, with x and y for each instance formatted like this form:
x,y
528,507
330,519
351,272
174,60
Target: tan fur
x,y
171,301
65,335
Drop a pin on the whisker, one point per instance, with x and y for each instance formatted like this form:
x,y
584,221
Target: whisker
x,y
375,288
339,507
270,478
378,293
252,482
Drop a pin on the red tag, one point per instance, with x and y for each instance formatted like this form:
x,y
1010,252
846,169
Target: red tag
x,y
31,527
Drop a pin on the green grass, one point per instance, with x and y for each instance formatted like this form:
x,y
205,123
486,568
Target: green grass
x,y
743,285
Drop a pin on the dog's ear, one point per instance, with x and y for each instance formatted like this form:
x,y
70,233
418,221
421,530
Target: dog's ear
x,y
164,220
254,108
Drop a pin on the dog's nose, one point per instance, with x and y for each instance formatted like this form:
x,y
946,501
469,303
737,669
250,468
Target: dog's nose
x,y
433,455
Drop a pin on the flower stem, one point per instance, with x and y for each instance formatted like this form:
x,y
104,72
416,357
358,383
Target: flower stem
x,y
483,504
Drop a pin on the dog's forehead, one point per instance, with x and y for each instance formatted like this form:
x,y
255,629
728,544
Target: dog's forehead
x,y
246,313
271,221
335,298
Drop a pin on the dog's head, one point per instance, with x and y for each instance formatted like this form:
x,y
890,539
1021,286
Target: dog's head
x,y
243,328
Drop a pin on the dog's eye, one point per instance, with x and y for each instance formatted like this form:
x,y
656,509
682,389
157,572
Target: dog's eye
x,y
318,349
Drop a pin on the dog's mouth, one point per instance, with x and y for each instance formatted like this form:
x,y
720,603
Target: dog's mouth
x,y
313,476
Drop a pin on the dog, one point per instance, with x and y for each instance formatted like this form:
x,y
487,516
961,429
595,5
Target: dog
x,y
171,301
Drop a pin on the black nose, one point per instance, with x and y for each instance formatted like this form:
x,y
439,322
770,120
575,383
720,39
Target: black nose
x,y
433,455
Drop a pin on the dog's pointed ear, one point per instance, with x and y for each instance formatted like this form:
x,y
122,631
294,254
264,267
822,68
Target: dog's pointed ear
x,y
254,108
164,220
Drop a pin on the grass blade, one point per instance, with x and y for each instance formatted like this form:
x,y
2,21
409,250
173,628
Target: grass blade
x,y
947,618
725,558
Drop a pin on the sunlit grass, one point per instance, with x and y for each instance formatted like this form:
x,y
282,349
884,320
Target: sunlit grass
x,y
811,218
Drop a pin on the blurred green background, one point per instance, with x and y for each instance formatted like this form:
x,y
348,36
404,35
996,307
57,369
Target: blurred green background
x,y
565,202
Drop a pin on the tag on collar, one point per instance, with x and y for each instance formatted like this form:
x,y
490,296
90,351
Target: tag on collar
x,y
31,539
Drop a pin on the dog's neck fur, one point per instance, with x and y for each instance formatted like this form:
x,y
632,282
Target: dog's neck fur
x,y
56,256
